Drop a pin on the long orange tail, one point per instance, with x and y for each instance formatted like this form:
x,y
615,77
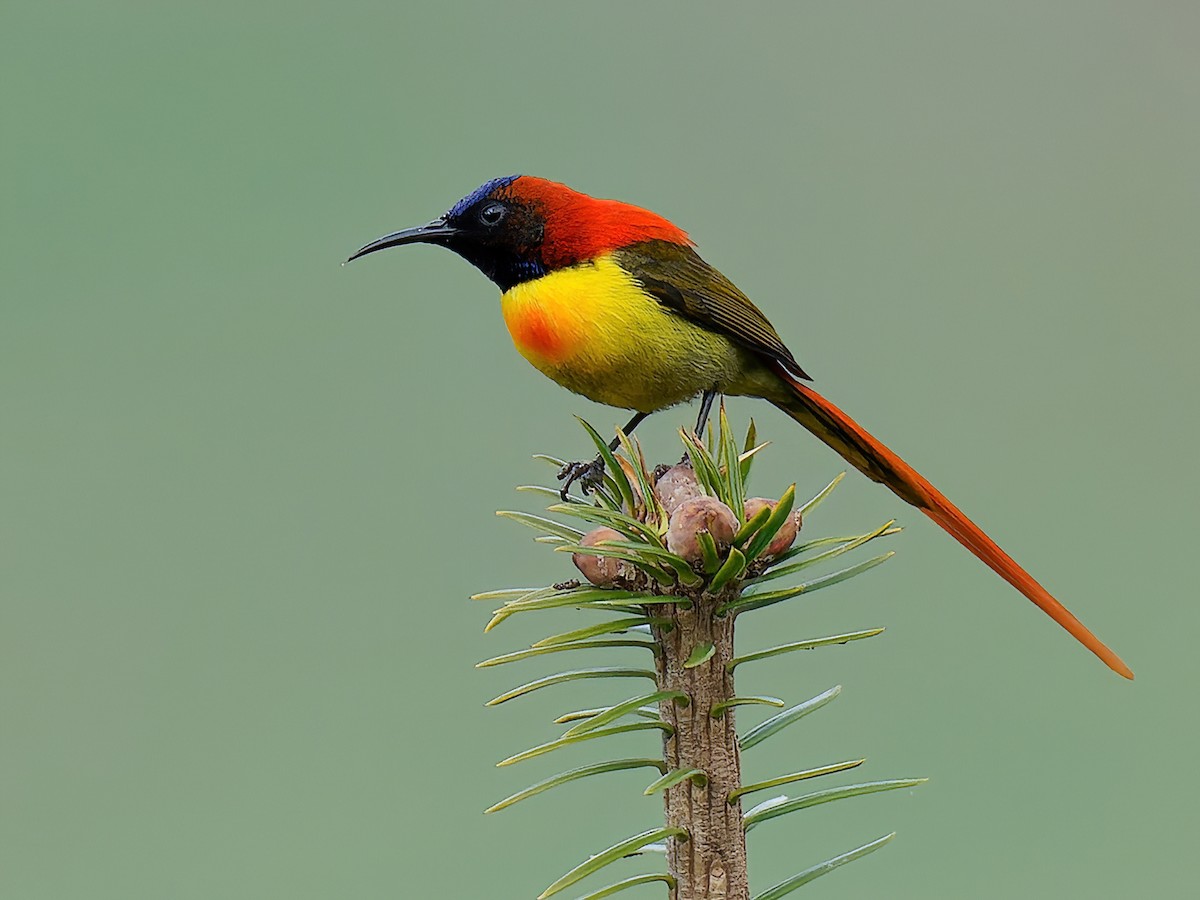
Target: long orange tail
x,y
873,459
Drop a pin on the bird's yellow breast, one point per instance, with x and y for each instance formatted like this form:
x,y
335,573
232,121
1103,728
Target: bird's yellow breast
x,y
593,329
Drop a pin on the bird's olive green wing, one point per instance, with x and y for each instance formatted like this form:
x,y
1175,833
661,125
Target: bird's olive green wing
x,y
676,276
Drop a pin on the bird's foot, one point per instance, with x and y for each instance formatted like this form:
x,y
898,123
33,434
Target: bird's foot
x,y
663,468
589,474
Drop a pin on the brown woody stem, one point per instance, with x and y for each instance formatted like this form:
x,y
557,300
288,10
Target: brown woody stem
x,y
711,865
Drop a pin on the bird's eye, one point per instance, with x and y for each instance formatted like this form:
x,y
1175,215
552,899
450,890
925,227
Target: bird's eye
x,y
492,214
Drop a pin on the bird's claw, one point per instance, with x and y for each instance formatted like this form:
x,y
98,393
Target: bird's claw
x,y
589,474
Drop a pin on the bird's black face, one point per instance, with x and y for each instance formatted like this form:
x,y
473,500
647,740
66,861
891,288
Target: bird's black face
x,y
489,228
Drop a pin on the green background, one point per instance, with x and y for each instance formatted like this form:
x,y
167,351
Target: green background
x,y
245,492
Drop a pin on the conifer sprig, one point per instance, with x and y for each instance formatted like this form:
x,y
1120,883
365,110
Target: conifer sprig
x,y
673,555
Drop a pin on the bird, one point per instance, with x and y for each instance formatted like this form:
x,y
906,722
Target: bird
x,y
613,302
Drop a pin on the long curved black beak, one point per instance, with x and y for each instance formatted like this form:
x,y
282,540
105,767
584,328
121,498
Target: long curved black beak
x,y
435,232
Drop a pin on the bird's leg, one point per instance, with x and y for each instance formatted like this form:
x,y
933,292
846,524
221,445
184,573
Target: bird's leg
x,y
590,473
706,402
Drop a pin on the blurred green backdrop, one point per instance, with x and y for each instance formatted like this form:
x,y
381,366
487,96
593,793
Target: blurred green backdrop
x,y
238,482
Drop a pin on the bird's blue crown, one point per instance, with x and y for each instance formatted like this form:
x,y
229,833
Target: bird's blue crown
x,y
478,194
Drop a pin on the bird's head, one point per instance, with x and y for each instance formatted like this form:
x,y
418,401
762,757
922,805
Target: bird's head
x,y
518,228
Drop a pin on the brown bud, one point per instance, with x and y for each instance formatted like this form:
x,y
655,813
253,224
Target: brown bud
x,y
700,514
755,504
599,570
785,536
676,485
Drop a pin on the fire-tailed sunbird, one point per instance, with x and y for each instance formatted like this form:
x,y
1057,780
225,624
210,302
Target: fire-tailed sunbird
x,y
613,302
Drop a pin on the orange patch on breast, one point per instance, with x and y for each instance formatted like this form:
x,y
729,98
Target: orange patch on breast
x,y
542,332
533,332
557,321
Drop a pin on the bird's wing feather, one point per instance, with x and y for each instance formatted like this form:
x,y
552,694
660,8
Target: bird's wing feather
x,y
676,276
